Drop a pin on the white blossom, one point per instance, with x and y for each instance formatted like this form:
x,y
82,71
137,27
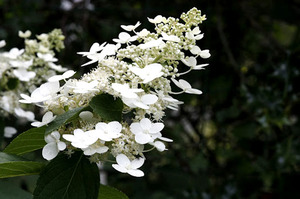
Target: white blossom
x,y
149,72
23,75
53,146
124,165
107,132
131,27
81,139
124,38
145,131
186,87
192,62
64,76
125,91
9,131
47,118
26,114
157,19
44,92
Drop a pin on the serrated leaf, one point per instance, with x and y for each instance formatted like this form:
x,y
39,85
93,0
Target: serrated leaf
x,y
30,140
68,178
64,119
9,190
107,192
107,107
12,165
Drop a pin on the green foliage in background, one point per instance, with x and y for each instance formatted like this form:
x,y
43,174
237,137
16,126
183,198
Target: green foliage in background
x,y
241,137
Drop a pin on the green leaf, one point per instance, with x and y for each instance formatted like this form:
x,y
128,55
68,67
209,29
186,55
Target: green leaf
x,y
107,192
68,178
1,130
12,165
30,140
64,119
9,190
107,107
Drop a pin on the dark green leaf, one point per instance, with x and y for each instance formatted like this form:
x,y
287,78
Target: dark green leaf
x,y
1,129
68,178
12,165
107,107
64,119
107,192
9,190
30,140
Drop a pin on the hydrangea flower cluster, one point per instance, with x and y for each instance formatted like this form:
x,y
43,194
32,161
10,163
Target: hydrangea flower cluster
x,y
23,70
138,69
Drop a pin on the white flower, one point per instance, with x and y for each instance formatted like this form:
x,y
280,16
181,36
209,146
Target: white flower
x,y
2,43
186,87
58,68
157,19
124,38
95,48
170,38
202,53
106,50
192,62
47,118
23,75
81,139
145,131
21,64
47,57
125,91
26,114
143,33
194,34
64,76
25,34
153,43
141,102
53,146
131,167
97,147
44,92
109,131
85,87
13,53
160,146
9,131
148,73
130,27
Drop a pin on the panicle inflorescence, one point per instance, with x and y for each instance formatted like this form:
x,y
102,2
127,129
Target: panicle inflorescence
x,y
138,69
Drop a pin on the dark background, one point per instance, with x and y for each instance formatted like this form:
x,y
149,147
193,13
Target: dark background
x,y
240,138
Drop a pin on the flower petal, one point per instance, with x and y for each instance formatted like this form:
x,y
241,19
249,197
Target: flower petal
x,y
123,160
50,151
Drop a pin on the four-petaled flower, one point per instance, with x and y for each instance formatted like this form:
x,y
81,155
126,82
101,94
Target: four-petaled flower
x,y
148,73
145,131
81,139
53,146
186,87
109,131
131,167
47,118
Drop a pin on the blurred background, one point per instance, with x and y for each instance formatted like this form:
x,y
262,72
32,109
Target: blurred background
x,y
241,137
